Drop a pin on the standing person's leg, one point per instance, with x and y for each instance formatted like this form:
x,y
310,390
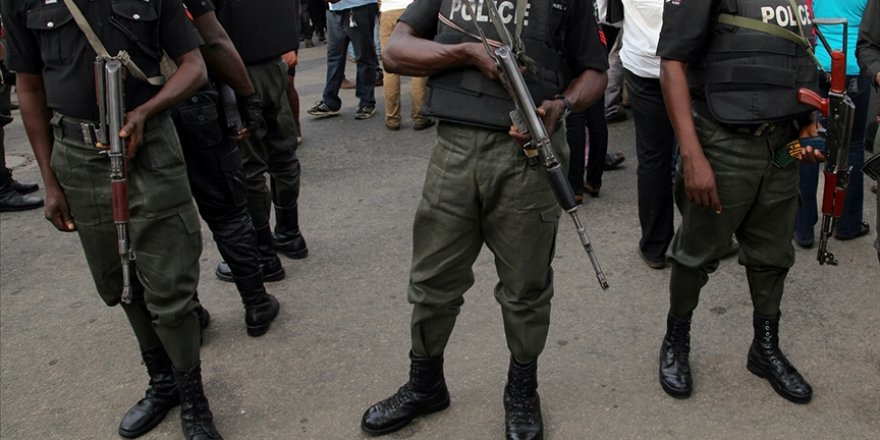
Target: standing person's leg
x,y
851,224
654,142
523,243
277,144
597,129
305,24
391,81
362,37
337,40
13,194
318,13
447,239
419,91
576,138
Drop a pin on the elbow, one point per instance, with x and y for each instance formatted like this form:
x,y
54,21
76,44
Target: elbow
x,y
390,59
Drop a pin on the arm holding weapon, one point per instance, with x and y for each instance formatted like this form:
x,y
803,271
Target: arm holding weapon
x,y
838,110
527,121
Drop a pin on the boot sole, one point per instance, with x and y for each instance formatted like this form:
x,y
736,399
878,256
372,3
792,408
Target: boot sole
x,y
756,370
440,406
297,255
147,428
255,331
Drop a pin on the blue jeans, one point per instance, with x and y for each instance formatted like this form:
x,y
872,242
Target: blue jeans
x,y
850,222
339,34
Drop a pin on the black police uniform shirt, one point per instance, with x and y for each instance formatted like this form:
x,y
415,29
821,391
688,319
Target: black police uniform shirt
x,y
582,47
43,38
688,35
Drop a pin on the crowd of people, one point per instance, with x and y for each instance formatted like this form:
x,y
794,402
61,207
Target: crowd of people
x,y
713,127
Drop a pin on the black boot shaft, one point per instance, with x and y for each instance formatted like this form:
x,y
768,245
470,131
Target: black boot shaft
x,y
424,393
288,238
522,405
195,414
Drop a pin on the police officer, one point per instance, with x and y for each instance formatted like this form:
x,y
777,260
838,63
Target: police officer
x,y
214,165
262,31
735,173
480,189
55,66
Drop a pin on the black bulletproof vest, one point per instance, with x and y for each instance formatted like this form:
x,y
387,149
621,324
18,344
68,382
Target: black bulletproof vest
x,y
260,29
466,96
749,76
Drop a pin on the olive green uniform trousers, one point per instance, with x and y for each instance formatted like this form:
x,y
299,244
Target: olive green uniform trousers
x,y
759,203
479,189
164,233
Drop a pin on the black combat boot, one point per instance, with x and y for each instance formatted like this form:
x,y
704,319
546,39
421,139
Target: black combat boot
x,y
522,405
425,393
288,239
195,415
766,360
675,369
260,308
160,397
12,200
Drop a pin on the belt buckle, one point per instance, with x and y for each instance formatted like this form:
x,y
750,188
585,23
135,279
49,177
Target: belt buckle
x,y
88,132
763,127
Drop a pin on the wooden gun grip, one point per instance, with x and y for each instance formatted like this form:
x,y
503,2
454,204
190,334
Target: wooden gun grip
x,y
811,98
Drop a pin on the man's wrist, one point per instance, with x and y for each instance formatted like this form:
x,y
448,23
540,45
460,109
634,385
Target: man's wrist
x,y
565,103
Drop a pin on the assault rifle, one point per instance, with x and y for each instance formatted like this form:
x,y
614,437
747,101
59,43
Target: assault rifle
x,y
109,74
539,149
838,110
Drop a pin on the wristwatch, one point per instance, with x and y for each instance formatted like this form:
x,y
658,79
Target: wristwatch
x,y
566,103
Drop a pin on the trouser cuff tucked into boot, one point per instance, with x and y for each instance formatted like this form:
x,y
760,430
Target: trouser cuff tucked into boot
x,y
161,396
425,393
766,360
522,405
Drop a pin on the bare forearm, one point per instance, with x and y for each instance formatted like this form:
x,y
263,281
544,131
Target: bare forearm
x,y
586,89
407,54
676,94
36,115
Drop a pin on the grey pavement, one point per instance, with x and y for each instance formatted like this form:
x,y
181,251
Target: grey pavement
x,y
70,368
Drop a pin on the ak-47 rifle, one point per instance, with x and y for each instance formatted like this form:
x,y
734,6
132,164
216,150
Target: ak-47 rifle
x,y
109,74
539,149
838,110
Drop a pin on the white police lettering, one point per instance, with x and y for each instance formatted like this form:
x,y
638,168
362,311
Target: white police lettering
x,y
783,15
506,9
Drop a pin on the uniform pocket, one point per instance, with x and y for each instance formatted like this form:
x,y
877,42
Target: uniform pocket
x,y
198,121
55,31
138,21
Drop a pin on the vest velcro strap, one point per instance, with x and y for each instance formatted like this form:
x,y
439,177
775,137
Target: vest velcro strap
x,y
760,26
754,74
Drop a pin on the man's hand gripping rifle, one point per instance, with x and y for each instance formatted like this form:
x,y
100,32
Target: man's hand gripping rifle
x,y
838,110
109,75
527,121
